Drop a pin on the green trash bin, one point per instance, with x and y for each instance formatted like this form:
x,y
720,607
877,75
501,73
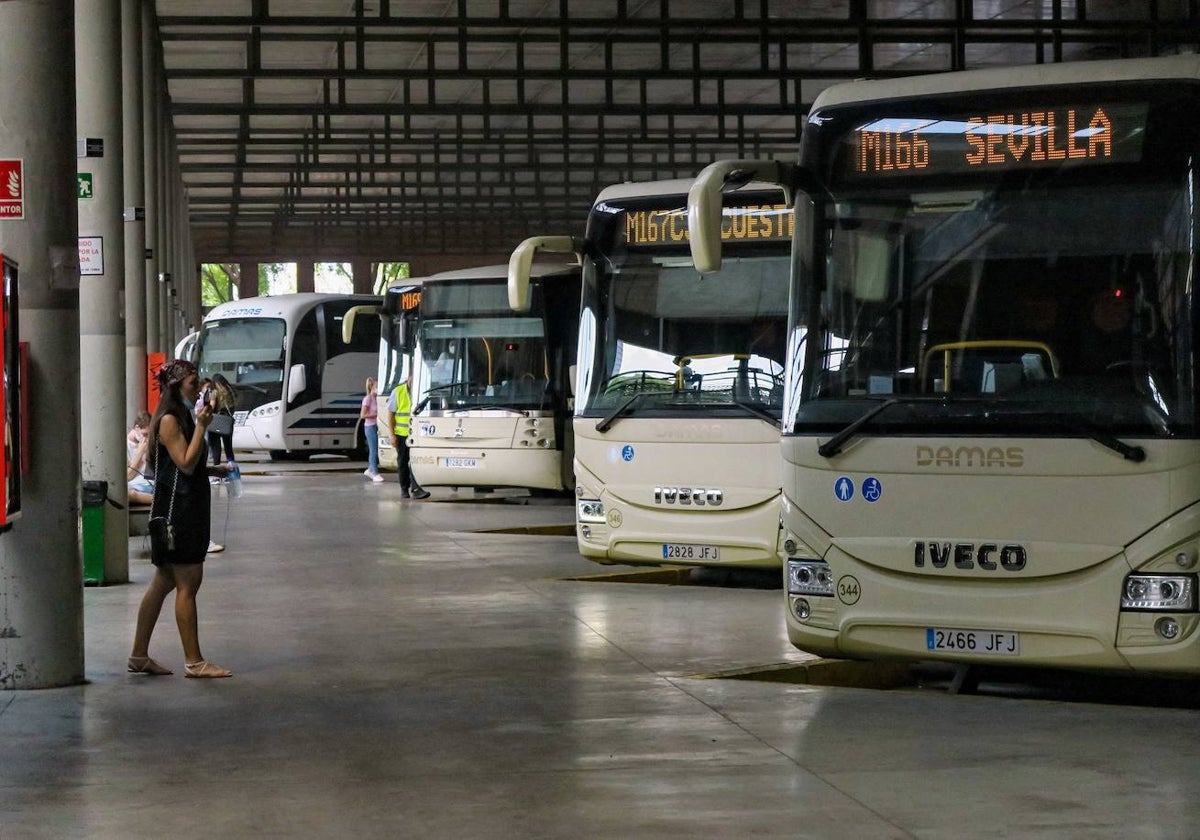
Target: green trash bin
x,y
95,493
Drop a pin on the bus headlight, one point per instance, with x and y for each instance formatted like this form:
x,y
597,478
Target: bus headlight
x,y
590,510
809,577
268,410
1159,592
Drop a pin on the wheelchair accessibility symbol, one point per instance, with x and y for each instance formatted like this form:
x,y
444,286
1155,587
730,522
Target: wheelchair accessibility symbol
x,y
872,489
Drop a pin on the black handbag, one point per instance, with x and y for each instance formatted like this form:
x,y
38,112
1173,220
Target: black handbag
x,y
222,424
161,528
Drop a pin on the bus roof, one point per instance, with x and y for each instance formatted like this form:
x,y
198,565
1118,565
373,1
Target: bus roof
x,y
1030,76
677,186
279,306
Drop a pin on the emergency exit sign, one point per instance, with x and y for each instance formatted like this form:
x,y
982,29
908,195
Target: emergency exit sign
x,y
86,188
12,189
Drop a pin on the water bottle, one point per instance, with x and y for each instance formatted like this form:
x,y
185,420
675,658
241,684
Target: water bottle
x,y
234,484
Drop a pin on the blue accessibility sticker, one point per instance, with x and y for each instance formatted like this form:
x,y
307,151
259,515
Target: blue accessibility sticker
x,y
627,452
872,489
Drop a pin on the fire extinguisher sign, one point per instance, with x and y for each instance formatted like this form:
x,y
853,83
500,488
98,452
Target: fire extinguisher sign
x,y
12,189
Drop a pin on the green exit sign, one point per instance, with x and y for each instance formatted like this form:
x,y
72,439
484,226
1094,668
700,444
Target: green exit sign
x,y
85,186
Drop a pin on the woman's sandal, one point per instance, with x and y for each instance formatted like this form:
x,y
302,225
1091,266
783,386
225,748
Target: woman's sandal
x,y
146,665
205,670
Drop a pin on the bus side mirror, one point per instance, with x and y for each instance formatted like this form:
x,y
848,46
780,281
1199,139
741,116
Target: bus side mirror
x,y
571,372
297,382
521,263
706,202
352,313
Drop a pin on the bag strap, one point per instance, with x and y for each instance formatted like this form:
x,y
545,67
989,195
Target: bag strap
x,y
174,482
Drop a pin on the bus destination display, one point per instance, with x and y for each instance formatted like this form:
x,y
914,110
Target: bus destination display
x,y
1025,138
754,223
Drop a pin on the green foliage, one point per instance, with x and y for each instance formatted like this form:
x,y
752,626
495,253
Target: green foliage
x,y
217,283
388,273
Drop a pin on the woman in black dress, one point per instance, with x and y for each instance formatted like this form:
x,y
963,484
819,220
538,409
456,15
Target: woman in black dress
x,y
182,495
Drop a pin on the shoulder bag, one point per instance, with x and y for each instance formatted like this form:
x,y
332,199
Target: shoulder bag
x,y
222,424
161,528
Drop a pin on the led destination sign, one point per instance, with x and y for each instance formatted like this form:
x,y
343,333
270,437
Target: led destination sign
x,y
755,223
1027,138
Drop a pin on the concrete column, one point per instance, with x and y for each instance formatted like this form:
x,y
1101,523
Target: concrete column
x,y
306,271
101,311
363,279
164,227
135,209
151,107
41,578
248,284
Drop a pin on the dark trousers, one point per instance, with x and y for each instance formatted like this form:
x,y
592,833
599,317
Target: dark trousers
x,y
403,470
215,442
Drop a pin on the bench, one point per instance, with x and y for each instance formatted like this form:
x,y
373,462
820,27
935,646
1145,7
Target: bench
x,y
139,520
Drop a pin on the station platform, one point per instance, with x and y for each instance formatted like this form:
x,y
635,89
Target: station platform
x,y
451,668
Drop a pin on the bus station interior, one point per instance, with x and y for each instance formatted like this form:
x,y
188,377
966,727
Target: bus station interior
x,y
454,667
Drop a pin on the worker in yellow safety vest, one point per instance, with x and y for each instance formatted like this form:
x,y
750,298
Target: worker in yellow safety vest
x,y
399,407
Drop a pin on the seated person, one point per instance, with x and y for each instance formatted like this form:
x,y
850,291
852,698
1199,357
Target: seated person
x,y
138,474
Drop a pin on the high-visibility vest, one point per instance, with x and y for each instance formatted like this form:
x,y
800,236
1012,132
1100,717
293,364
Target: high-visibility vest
x,y
403,410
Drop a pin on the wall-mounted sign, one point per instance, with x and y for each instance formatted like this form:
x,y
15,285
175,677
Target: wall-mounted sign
x,y
85,187
12,189
91,255
87,147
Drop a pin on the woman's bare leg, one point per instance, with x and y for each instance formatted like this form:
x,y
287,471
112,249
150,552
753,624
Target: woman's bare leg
x,y
187,583
147,616
188,579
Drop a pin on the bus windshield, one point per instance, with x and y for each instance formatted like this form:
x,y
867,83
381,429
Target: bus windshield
x,y
1044,309
656,331
695,341
473,351
249,352
995,264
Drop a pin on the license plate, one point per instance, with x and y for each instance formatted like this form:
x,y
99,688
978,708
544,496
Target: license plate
x,y
239,417
987,642
690,551
461,463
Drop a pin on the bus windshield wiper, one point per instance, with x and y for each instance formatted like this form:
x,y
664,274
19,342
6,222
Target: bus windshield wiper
x,y
612,416
1081,426
478,406
834,445
757,411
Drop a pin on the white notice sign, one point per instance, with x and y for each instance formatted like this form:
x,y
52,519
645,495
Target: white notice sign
x,y
91,255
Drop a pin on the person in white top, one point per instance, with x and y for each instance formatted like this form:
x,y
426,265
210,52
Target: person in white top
x,y
369,413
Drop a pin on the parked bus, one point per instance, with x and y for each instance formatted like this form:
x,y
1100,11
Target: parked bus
x,y
491,388
990,432
680,384
299,384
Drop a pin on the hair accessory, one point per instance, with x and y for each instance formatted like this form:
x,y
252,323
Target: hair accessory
x,y
174,372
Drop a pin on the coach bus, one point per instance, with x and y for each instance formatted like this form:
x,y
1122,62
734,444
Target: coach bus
x,y
299,383
990,427
680,385
491,386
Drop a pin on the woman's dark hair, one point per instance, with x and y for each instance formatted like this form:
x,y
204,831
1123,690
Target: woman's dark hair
x,y
170,399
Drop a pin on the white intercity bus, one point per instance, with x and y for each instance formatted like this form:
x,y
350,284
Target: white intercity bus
x,y
492,385
680,383
990,428
299,383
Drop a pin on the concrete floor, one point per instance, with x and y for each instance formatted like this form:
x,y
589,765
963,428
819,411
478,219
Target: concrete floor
x,y
400,675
